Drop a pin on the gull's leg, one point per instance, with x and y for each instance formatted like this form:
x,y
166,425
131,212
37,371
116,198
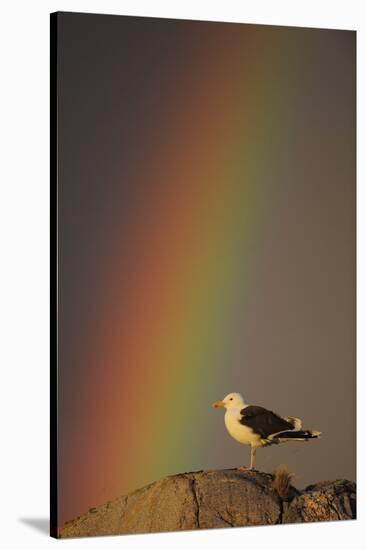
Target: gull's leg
x,y
253,451
244,468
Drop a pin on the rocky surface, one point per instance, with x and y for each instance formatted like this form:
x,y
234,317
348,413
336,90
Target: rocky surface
x,y
324,501
214,499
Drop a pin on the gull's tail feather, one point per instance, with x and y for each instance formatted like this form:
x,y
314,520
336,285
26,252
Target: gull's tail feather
x,y
296,422
297,435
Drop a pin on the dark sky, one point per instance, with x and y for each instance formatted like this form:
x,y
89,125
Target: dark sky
x,y
206,245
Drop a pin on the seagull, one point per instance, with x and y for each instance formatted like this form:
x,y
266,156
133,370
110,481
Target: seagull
x,y
259,427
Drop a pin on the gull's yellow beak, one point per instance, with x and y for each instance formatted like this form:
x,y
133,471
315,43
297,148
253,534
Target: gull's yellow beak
x,y
218,404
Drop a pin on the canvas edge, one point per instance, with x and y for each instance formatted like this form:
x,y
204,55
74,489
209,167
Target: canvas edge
x,y
53,276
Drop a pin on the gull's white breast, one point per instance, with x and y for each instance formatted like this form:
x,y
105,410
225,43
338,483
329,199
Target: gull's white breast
x,y
242,434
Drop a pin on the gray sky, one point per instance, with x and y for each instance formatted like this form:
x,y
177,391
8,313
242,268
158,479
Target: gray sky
x,y
141,102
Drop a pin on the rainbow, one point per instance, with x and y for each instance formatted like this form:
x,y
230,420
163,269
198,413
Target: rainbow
x,y
174,291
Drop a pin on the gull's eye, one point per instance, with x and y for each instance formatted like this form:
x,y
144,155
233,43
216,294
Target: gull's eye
x,y
231,398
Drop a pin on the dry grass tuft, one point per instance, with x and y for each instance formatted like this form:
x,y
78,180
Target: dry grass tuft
x,y
282,481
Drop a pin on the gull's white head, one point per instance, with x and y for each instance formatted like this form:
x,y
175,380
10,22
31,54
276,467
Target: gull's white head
x,y
231,401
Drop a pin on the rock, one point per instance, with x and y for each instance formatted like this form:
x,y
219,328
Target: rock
x,y
324,501
214,499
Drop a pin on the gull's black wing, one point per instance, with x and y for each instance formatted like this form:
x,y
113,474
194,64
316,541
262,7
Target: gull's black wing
x,y
262,421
